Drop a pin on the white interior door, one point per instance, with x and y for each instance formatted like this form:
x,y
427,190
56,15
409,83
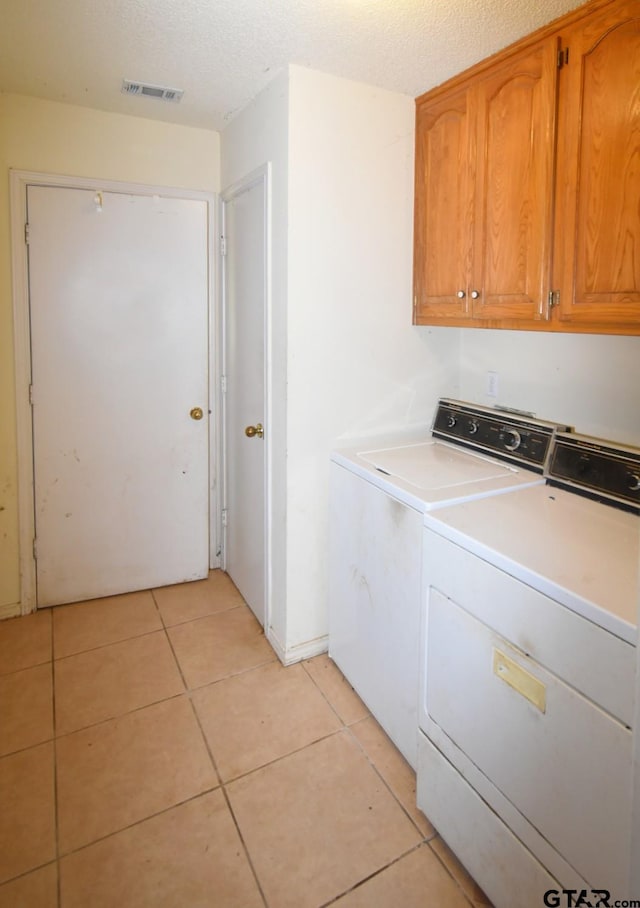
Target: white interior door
x,y
118,288
245,281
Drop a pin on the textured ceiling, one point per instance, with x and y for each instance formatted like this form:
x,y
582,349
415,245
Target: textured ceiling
x,y
223,52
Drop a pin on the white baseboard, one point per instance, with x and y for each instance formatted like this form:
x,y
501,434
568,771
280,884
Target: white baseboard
x,y
10,610
301,651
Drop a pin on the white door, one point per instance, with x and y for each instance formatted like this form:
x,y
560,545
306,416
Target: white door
x,y
245,282
118,288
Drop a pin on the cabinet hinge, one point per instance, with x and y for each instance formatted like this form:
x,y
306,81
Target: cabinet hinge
x,y
35,549
31,394
26,234
223,384
223,245
554,298
224,517
563,56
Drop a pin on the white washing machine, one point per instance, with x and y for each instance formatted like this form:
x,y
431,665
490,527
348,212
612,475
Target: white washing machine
x,y
378,496
528,657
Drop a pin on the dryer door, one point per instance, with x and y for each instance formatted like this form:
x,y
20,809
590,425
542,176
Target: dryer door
x,y
540,742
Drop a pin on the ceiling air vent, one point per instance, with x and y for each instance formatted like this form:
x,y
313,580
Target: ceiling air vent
x,y
162,93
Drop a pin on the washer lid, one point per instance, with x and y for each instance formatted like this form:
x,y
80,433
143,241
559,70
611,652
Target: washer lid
x,y
433,466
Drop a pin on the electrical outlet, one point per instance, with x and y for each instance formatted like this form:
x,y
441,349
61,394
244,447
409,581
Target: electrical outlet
x,y
492,384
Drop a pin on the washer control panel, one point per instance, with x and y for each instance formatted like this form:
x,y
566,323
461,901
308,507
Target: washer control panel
x,y
519,438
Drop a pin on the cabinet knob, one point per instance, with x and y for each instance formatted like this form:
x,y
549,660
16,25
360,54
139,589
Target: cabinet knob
x,y
461,294
475,294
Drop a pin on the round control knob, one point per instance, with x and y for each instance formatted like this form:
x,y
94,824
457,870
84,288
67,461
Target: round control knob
x,y
634,482
512,440
451,421
474,425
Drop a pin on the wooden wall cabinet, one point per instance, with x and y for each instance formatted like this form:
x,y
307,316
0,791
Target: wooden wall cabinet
x,y
597,238
527,206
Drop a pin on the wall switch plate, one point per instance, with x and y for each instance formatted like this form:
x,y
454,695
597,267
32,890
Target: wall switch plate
x,y
492,384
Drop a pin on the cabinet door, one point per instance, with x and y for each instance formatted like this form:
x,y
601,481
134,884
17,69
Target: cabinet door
x,y
598,226
443,208
514,186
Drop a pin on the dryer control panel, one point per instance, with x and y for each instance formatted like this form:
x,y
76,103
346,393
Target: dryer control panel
x,y
600,469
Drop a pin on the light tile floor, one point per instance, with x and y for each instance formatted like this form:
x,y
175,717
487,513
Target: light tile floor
x,y
155,754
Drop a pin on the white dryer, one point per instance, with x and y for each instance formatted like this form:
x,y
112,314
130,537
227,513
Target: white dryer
x,y
528,658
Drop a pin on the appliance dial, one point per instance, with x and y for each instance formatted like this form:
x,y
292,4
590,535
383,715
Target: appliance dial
x,y
634,482
451,421
474,425
512,440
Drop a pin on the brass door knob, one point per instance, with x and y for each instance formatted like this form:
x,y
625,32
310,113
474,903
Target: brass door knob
x,y
196,413
250,431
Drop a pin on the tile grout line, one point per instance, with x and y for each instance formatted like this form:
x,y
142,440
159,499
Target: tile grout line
x,y
221,611
424,842
425,838
244,844
187,693
184,693
168,639
26,873
43,741
95,649
454,878
151,816
291,753
322,692
129,712
373,875
55,765
21,750
26,668
225,795
152,592
369,758
190,689
222,784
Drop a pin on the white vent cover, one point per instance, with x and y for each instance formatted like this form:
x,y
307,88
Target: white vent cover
x,y
161,92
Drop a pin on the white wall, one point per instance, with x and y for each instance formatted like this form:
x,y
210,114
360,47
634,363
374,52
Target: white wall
x,y
355,363
590,381
346,359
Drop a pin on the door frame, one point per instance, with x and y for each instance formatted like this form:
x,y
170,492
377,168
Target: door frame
x,y
261,175
19,180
